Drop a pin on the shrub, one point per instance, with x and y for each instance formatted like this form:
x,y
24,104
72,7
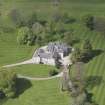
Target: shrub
x,y
53,72
37,28
87,50
77,55
69,38
32,20
89,21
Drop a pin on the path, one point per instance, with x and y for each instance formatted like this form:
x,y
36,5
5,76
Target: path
x,y
30,61
47,78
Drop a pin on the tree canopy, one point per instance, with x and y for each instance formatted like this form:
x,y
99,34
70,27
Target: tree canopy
x,y
7,83
89,21
87,49
77,55
25,36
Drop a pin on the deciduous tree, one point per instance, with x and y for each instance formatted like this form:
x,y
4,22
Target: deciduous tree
x,y
87,49
89,21
77,55
25,36
8,83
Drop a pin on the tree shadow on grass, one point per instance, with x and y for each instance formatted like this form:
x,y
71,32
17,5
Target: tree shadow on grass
x,y
22,85
97,52
94,53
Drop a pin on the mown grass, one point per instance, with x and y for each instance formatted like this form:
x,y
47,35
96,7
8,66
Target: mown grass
x,y
33,70
41,93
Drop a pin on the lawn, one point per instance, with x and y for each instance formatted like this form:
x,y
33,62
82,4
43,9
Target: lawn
x,y
41,93
11,52
33,70
48,92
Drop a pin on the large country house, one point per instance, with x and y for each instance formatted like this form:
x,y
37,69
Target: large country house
x,y
48,54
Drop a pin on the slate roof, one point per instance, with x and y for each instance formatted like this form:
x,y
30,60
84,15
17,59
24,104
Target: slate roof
x,y
42,54
58,47
46,55
53,50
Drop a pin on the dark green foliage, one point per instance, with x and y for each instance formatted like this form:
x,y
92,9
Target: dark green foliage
x,y
77,55
7,83
40,32
2,95
87,47
50,27
84,54
89,21
53,72
33,19
53,31
69,38
87,50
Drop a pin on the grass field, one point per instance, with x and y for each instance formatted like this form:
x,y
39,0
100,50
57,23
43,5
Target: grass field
x,y
10,51
33,70
47,92
41,93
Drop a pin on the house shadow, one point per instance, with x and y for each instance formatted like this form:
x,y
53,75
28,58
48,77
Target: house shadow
x,y
21,86
94,53
97,52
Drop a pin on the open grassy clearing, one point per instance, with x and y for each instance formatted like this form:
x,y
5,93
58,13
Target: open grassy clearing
x,y
33,70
